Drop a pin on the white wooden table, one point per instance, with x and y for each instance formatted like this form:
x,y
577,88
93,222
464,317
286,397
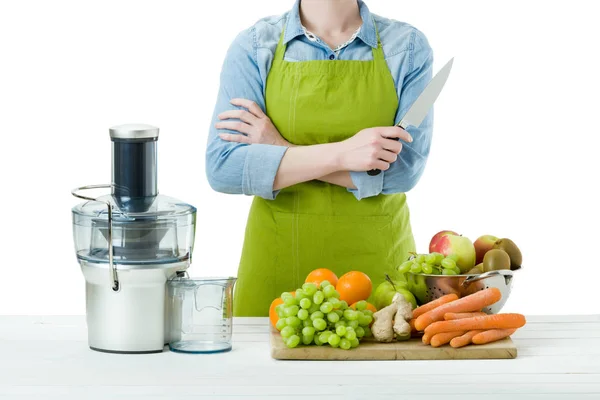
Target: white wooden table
x,y
48,358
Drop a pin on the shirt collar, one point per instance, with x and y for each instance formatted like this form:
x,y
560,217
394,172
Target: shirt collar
x,y
367,32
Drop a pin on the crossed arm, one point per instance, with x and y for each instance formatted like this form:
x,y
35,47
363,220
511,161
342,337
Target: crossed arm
x,y
373,148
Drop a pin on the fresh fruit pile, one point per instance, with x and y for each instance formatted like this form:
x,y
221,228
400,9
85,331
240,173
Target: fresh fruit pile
x,y
318,314
453,254
433,263
494,254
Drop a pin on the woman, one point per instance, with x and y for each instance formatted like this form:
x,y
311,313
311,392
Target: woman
x,y
307,105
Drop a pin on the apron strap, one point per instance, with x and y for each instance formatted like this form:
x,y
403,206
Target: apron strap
x,y
377,52
280,50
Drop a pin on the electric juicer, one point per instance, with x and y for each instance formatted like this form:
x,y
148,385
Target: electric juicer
x,y
128,244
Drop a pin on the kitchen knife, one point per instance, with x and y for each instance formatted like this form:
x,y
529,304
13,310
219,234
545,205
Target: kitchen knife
x,y
419,109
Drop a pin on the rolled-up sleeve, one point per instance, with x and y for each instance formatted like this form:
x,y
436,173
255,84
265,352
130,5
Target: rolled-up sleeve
x,y
406,171
366,185
239,168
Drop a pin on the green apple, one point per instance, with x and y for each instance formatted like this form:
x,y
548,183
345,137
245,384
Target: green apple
x,y
418,287
385,292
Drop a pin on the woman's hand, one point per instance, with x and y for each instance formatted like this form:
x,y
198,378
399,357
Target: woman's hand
x,y
254,125
372,148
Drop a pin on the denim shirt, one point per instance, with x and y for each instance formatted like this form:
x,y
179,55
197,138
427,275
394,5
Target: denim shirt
x,y
239,168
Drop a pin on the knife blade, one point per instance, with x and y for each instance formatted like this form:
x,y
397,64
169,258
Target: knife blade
x,y
420,108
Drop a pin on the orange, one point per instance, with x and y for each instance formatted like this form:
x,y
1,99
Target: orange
x,y
322,274
369,307
354,286
272,314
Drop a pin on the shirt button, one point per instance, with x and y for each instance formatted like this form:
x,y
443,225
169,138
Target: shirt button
x,y
332,57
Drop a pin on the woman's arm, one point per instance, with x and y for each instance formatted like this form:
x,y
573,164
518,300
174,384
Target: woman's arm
x,y
340,178
369,149
233,167
257,128
372,148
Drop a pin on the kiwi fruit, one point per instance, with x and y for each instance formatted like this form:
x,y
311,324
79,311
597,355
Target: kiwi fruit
x,y
476,270
513,252
496,259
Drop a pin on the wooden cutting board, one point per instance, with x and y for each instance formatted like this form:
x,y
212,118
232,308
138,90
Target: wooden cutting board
x,y
412,349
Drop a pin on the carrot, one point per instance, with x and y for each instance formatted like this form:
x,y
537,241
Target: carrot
x,y
498,321
443,338
491,335
426,338
412,324
433,304
413,332
470,303
461,315
465,339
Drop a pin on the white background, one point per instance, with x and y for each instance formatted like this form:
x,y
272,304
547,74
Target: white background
x,y
515,151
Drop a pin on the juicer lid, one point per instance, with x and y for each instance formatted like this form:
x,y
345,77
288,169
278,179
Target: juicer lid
x,y
162,208
163,234
134,132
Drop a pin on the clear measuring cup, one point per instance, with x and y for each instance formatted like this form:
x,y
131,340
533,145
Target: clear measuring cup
x,y
199,314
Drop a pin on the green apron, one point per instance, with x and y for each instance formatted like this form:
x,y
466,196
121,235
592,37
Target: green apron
x,y
316,224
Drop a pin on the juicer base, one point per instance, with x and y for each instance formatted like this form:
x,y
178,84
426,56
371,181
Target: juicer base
x,y
133,319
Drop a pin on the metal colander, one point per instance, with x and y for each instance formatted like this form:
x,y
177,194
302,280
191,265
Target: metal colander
x,y
430,287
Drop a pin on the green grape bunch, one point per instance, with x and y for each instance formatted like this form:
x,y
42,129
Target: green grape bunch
x,y
430,264
316,316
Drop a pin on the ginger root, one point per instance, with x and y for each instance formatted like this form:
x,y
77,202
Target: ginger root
x,y
403,315
392,319
383,320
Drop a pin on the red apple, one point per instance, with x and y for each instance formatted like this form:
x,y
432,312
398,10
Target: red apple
x,y
482,245
435,239
459,246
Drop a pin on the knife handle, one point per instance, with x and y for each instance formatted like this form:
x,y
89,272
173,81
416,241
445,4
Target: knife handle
x,y
375,172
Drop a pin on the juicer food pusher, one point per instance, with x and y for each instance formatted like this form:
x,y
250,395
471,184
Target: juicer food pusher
x,y
128,244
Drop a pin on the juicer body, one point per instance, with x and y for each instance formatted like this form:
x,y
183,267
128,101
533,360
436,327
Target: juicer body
x,y
133,319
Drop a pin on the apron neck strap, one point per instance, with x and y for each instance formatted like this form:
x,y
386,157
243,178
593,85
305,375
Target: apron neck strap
x,y
377,52
280,50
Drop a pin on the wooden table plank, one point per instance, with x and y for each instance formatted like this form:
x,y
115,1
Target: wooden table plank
x,y
102,394
67,362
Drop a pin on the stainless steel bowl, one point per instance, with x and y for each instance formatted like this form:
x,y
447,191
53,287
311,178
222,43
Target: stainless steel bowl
x,y
430,287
